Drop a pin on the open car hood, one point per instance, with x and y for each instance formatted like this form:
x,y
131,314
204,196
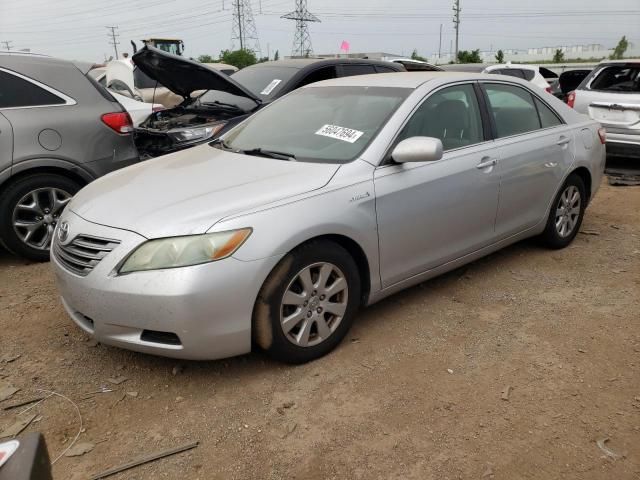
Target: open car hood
x,y
184,76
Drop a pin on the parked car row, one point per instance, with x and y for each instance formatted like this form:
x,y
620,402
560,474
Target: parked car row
x,y
227,100
313,188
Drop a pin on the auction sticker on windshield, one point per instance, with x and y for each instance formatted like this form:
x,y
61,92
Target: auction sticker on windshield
x,y
340,133
269,88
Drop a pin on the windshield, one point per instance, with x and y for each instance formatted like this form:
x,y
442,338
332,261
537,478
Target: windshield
x,y
319,124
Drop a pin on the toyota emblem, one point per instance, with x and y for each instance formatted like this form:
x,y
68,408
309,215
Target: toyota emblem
x,y
63,231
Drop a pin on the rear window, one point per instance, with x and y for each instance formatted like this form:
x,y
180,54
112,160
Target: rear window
x,y
17,92
617,78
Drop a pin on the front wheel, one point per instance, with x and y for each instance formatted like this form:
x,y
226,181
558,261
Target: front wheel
x,y
307,304
567,212
29,211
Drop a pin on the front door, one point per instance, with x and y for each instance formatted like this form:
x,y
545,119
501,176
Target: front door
x,y
434,212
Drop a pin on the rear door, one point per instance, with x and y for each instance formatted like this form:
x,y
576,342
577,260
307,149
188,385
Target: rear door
x,y
6,143
535,150
612,97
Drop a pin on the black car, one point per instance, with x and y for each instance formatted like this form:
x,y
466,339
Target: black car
x,y
214,102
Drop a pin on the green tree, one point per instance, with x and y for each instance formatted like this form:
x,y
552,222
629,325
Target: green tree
x,y
238,58
621,48
415,56
500,56
276,56
558,57
206,59
466,56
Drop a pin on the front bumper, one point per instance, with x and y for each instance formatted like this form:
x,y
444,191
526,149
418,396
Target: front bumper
x,y
208,307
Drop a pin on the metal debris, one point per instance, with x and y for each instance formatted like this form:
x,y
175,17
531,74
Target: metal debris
x,y
143,460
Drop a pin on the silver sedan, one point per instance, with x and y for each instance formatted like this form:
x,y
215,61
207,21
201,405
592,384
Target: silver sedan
x,y
328,200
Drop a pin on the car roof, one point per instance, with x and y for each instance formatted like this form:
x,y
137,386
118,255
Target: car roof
x,y
512,65
624,60
301,63
409,79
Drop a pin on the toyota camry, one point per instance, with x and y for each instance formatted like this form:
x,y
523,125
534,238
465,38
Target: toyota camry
x,y
328,200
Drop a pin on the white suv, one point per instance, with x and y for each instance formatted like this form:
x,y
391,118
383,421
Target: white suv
x,y
528,72
610,94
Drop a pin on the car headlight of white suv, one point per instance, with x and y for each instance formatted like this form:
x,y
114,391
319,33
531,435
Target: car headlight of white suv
x,y
184,251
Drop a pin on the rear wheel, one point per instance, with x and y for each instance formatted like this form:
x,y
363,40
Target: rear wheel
x,y
307,304
29,211
567,212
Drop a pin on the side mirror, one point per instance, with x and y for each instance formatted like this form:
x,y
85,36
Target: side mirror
x,y
418,149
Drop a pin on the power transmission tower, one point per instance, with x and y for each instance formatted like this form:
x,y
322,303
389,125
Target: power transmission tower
x,y
456,22
302,40
7,44
113,35
244,27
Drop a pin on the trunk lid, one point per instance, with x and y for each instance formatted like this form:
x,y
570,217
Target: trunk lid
x,y
183,76
187,192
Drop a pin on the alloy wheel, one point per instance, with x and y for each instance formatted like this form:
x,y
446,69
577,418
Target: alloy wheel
x,y
314,303
568,211
36,214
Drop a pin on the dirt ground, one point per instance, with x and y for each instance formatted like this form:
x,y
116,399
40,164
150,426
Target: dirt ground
x,y
414,392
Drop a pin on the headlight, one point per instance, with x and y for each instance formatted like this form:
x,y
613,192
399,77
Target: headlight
x,y
184,251
194,134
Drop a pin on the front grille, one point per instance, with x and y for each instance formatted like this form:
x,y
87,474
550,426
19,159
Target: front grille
x,y
81,255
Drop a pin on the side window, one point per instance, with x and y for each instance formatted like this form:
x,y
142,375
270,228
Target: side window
x,y
17,92
548,119
513,109
324,73
351,70
451,114
383,69
528,74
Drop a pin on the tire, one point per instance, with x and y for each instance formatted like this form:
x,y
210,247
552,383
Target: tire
x,y
565,218
282,325
37,214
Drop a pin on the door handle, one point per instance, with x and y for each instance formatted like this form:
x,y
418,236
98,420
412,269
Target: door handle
x,y
563,141
487,162
551,164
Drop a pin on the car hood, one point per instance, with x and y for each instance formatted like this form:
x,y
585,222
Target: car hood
x,y
184,76
187,192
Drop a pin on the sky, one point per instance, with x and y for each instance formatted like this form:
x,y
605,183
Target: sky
x,y
76,29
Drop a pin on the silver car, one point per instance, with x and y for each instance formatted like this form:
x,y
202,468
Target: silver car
x,y
610,94
330,199
59,130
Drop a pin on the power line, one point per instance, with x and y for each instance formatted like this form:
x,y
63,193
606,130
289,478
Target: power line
x,y
243,28
302,41
114,40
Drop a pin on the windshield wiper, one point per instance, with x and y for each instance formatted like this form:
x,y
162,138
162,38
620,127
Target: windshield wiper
x,y
261,152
